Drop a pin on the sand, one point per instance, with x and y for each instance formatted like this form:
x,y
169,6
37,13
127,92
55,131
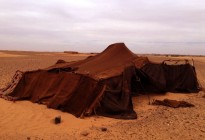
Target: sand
x,y
25,120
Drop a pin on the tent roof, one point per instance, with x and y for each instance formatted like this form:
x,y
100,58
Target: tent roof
x,y
111,62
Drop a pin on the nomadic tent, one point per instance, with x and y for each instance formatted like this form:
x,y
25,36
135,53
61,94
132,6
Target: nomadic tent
x,y
102,84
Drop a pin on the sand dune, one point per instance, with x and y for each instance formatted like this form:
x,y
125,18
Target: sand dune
x,y
26,120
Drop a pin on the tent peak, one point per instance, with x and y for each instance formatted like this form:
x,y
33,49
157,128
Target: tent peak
x,y
117,48
117,45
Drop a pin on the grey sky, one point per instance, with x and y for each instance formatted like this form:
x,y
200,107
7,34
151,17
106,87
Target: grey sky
x,y
146,26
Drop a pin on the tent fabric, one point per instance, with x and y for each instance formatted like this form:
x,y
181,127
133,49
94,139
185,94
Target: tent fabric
x,y
171,78
111,62
102,84
73,93
117,101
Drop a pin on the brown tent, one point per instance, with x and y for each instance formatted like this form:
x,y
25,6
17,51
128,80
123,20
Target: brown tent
x,y
102,84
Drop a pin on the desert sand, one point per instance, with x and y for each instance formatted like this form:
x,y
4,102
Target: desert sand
x,y
26,120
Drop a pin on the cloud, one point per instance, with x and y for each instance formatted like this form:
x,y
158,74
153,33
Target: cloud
x,y
160,26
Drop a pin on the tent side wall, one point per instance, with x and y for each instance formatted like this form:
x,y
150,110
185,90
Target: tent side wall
x,y
69,92
117,99
170,78
181,78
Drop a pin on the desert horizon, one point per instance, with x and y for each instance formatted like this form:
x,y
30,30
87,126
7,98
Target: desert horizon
x,y
88,53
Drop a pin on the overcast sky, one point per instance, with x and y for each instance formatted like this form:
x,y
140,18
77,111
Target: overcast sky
x,y
145,26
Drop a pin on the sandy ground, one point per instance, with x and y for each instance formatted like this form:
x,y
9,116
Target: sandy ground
x,y
25,120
